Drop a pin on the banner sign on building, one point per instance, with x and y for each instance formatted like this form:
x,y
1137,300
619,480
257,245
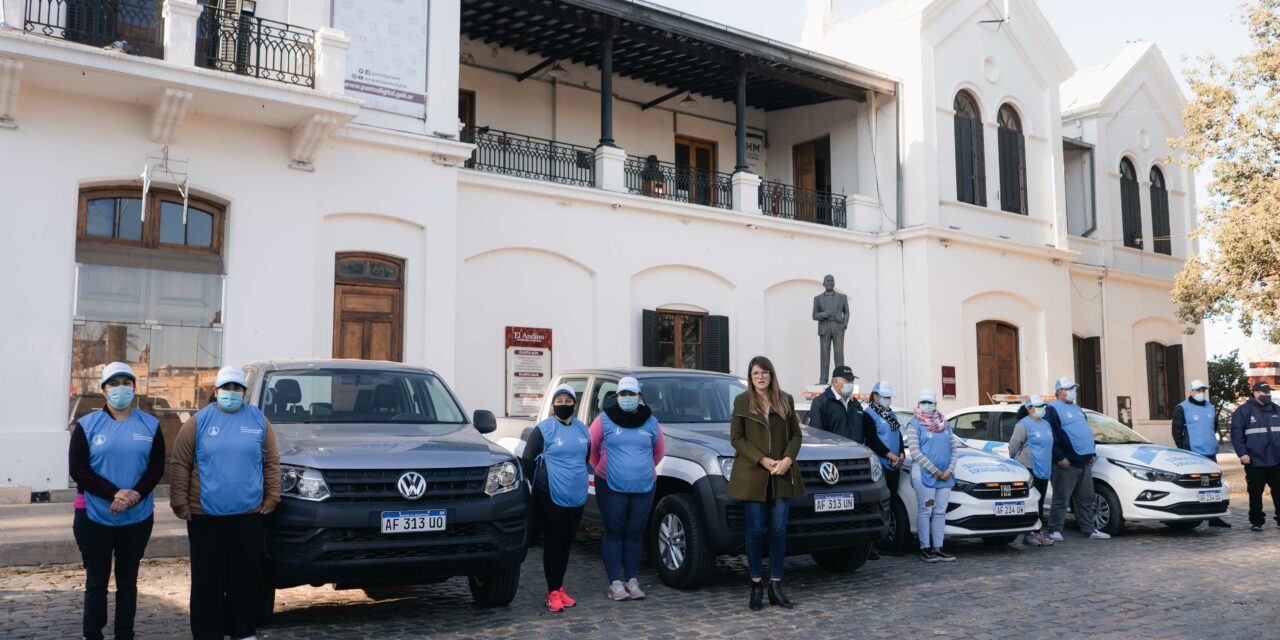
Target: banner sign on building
x,y
755,152
386,64
528,369
948,383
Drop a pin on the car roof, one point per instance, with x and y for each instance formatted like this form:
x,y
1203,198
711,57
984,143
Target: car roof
x,y
641,373
337,363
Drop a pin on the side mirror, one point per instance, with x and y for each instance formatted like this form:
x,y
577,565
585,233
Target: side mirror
x,y
484,421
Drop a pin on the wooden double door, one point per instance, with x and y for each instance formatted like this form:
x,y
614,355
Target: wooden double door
x,y
998,370
368,307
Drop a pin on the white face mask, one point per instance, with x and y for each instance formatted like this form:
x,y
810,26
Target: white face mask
x,y
885,402
1199,397
846,390
927,407
1038,411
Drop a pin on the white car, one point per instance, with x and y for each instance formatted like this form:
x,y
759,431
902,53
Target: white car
x,y
993,498
1133,479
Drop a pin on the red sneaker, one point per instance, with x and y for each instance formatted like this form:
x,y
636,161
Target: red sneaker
x,y
565,599
554,603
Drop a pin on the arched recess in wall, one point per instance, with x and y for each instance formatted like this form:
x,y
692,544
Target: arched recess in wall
x,y
672,333
1004,340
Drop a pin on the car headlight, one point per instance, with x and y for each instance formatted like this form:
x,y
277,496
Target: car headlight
x,y
877,471
503,477
962,486
1144,473
303,483
726,466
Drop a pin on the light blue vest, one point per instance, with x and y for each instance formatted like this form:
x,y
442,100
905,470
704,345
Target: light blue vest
x,y
937,448
1202,432
1040,443
629,455
119,451
564,460
229,459
891,438
1076,426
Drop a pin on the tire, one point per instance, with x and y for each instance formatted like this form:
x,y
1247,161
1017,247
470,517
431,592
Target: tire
x,y
495,589
1183,525
899,538
678,542
845,560
1108,514
997,541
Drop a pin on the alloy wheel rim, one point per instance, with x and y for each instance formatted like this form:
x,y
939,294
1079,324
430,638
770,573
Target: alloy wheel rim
x,y
671,544
1101,512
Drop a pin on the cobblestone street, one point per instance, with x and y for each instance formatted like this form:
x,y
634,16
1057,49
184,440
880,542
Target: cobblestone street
x,y
1148,582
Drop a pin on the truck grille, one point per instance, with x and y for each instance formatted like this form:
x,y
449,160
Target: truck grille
x,y
994,523
1199,480
379,485
999,490
367,543
852,472
802,520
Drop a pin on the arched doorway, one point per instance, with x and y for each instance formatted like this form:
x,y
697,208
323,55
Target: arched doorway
x,y
997,359
368,307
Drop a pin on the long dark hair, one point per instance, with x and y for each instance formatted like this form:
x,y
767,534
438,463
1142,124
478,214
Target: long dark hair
x,y
776,400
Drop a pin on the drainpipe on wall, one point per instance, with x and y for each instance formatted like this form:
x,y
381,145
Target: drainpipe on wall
x,y
899,208
1106,349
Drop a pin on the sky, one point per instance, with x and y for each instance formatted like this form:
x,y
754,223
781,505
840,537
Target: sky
x,y
1092,31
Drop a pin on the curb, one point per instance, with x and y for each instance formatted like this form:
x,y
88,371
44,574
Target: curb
x,y
163,545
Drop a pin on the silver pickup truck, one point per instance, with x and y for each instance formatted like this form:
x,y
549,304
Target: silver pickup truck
x,y
693,519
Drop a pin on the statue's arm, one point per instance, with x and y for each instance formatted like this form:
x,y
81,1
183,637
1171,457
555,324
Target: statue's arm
x,y
818,313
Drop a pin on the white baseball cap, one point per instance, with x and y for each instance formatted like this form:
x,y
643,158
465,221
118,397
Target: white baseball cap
x,y
629,383
927,395
1065,383
883,388
228,375
116,369
1035,401
566,389
1198,384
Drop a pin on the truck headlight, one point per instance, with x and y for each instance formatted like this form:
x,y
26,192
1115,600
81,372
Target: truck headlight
x,y
303,483
1145,473
503,477
877,471
726,466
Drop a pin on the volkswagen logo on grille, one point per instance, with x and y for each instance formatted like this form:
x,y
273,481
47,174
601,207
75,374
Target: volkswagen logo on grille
x,y
412,485
830,474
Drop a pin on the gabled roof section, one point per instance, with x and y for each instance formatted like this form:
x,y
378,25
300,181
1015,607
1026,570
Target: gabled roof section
x,y
1089,90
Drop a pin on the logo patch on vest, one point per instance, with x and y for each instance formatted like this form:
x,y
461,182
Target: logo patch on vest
x,y
99,439
214,431
250,430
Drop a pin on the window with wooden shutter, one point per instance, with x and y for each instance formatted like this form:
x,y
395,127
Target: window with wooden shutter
x,y
1173,376
649,338
1130,205
716,338
971,174
1160,231
1157,381
1090,376
1013,162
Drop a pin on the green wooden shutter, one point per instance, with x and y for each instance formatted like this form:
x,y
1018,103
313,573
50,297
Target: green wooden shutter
x,y
1173,376
715,338
649,338
1091,373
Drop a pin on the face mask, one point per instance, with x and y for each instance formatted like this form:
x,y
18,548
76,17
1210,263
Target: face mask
x,y
927,407
1038,411
885,402
846,390
628,403
120,397
1071,395
230,400
1265,399
563,411
1199,397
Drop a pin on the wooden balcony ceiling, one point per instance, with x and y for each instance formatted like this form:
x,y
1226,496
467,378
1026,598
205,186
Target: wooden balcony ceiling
x,y
667,48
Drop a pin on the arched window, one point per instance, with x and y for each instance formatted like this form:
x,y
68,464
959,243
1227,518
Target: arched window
x,y
1164,379
971,174
1160,233
1013,162
1130,208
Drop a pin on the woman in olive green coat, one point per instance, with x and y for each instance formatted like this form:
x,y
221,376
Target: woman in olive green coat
x,y
765,433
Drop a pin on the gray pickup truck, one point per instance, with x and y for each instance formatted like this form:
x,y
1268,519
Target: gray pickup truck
x,y
693,519
385,482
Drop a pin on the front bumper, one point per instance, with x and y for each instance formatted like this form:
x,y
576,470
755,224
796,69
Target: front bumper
x,y
969,517
340,542
1181,503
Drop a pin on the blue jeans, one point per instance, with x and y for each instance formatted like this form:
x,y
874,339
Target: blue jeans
x,y
624,516
775,516
931,510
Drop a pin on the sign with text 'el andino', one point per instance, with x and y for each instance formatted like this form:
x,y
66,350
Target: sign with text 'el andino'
x,y
528,369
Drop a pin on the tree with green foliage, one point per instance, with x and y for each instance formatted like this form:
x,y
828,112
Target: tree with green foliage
x,y
1233,125
1228,381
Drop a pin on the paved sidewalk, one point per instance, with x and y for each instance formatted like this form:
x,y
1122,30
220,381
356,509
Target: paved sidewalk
x,y
34,534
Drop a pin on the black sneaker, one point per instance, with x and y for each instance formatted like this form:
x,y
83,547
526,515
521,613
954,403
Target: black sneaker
x,y
943,556
928,556
1256,527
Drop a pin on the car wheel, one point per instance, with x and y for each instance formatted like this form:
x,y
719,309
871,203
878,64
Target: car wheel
x,y
495,589
997,541
1183,525
898,537
1108,516
678,542
845,560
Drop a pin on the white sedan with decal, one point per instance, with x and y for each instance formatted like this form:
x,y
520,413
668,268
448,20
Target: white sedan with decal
x,y
1133,478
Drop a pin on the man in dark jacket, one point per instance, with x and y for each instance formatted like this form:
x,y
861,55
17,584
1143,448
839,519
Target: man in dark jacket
x,y
836,410
1255,435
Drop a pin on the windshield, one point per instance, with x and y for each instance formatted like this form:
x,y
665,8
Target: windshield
x,y
337,396
691,399
1108,431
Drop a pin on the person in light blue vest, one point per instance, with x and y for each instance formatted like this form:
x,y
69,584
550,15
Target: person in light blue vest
x,y
933,466
1073,456
884,433
626,446
556,458
116,458
1195,429
224,477
1032,445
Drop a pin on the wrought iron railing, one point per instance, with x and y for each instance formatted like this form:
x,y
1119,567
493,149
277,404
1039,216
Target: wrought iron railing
x,y
809,205
524,156
131,26
657,179
251,46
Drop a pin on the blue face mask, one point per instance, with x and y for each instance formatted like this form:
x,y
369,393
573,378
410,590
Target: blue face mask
x,y
1038,411
846,390
628,403
230,400
927,407
120,397
1071,395
1198,397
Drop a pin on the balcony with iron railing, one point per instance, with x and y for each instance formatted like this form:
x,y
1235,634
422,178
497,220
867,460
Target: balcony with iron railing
x,y
682,183
807,205
131,26
244,44
516,154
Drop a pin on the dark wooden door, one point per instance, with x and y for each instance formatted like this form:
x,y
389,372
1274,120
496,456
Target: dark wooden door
x,y
804,170
695,170
997,359
368,307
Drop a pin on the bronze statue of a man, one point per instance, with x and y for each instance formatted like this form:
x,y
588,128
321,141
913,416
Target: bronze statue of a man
x,y
831,310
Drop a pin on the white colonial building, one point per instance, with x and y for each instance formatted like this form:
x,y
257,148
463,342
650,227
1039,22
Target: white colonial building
x,y
192,184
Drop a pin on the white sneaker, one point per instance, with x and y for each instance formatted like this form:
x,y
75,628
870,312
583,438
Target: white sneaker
x,y
1055,536
1098,535
617,591
633,589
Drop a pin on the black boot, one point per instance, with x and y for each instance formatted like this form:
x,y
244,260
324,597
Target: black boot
x,y
757,595
776,596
